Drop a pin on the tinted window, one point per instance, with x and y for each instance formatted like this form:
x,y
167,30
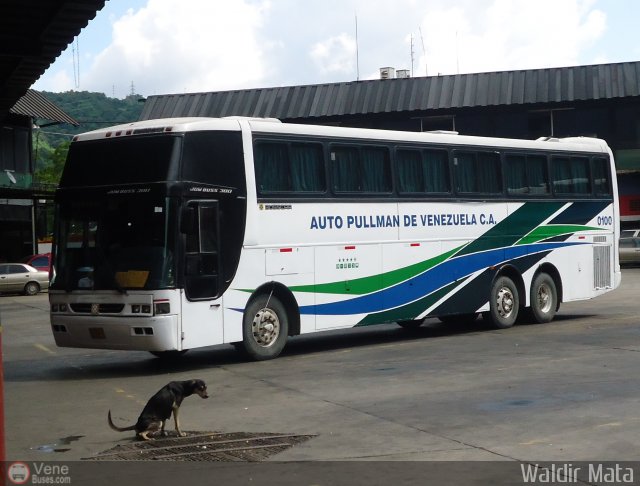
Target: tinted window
x,y
526,174
571,175
627,243
422,171
214,158
273,168
289,167
40,262
478,172
366,169
121,161
601,177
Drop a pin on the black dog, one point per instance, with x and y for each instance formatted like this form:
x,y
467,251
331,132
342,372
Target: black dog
x,y
159,407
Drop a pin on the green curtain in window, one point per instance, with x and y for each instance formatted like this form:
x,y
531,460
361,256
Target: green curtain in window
x,y
516,174
466,172
345,169
410,171
272,164
436,171
307,168
537,175
376,171
571,175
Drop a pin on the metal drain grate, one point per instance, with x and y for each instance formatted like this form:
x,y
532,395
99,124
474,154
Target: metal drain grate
x,y
205,446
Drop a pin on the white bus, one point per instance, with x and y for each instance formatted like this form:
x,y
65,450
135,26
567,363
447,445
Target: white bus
x,y
174,234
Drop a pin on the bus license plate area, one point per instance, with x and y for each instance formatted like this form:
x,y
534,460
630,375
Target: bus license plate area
x,y
97,333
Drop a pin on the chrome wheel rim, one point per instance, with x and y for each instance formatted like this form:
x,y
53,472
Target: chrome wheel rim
x,y
543,297
505,302
265,327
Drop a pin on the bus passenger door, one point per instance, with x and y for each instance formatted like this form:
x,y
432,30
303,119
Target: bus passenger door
x,y
202,267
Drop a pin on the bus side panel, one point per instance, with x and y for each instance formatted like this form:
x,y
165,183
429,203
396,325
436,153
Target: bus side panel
x,y
398,260
354,274
289,266
202,323
249,276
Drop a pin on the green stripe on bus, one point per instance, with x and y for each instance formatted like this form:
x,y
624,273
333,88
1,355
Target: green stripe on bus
x,y
551,231
374,283
518,224
409,311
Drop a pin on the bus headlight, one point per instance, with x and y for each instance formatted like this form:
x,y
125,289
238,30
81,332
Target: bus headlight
x,y
162,307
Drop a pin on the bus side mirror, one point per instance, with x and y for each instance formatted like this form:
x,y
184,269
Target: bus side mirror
x,y
188,220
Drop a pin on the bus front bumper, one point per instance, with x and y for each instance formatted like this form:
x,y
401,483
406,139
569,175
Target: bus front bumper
x,y
154,334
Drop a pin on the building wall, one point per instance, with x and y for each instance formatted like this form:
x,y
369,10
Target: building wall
x,y
16,177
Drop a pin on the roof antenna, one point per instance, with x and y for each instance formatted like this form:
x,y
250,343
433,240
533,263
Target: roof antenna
x,y
412,55
75,51
457,55
424,52
357,54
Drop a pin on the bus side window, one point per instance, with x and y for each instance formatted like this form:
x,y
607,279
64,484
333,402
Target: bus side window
x,y
601,178
571,175
478,172
526,175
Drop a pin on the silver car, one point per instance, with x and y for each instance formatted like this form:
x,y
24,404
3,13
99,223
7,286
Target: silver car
x,y
629,251
19,277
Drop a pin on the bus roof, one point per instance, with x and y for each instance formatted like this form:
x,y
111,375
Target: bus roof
x,y
271,125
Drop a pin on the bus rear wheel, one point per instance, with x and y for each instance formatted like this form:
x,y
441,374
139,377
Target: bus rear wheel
x,y
265,327
503,303
544,298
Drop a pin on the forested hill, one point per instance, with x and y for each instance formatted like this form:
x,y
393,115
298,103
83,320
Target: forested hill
x,y
92,111
95,110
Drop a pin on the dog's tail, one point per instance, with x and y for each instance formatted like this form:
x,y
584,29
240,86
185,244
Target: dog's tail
x,y
115,427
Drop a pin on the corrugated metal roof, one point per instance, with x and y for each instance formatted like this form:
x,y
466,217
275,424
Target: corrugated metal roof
x,y
33,33
552,85
35,105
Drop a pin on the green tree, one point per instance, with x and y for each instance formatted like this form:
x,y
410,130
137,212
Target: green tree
x,y
49,173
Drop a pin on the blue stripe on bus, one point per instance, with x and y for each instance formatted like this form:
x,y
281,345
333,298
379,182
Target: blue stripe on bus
x,y
429,281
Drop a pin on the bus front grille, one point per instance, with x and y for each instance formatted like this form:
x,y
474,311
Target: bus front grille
x,y
86,308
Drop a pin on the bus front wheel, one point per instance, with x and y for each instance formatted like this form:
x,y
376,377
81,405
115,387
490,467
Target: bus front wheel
x,y
265,327
503,303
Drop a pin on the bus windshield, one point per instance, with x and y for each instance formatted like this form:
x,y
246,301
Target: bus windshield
x,y
115,243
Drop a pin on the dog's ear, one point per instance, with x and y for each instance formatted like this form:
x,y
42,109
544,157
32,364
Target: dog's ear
x,y
198,384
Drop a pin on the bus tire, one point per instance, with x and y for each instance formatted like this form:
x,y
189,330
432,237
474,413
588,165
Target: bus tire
x,y
503,303
544,298
265,327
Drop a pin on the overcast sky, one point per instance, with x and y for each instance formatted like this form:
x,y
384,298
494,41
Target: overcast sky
x,y
180,46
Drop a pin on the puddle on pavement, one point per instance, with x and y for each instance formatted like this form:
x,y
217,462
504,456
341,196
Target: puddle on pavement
x,y
59,445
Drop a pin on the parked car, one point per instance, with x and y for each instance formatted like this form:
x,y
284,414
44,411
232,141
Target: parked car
x,y
629,233
41,262
20,277
629,250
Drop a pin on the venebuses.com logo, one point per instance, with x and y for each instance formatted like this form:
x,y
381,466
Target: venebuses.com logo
x,y
38,473
18,473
